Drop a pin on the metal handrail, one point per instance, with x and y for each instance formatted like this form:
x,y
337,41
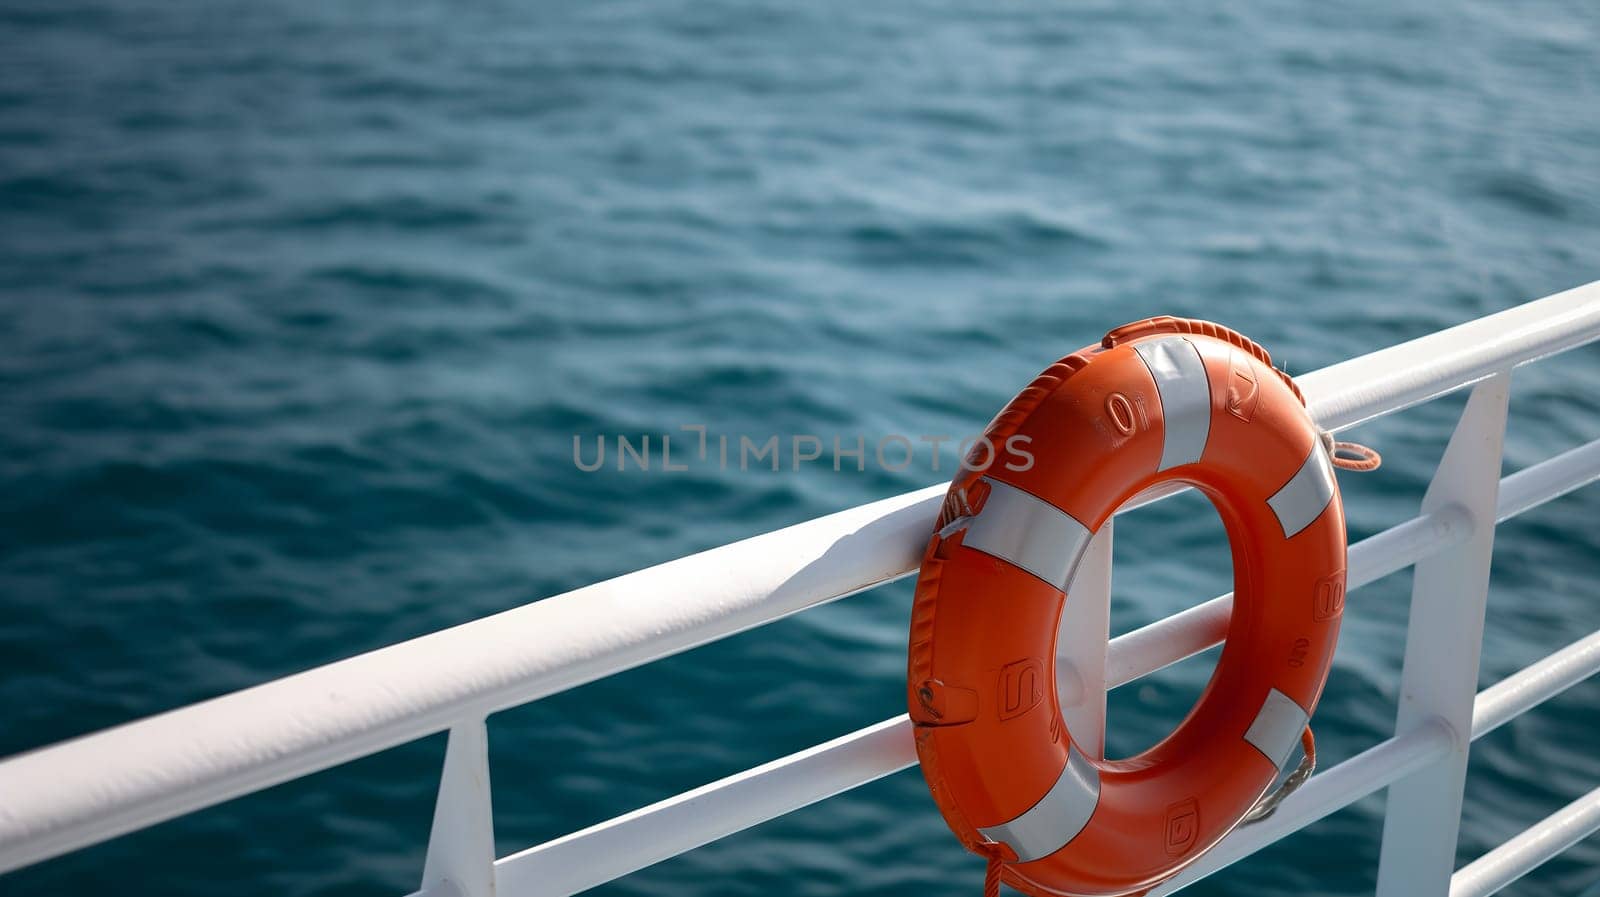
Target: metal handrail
x,y
672,826
89,789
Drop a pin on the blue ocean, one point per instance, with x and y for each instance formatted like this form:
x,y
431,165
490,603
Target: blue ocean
x,y
302,305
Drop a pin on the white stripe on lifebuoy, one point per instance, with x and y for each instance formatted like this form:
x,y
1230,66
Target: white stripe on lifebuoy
x,y
1058,817
1029,532
1180,378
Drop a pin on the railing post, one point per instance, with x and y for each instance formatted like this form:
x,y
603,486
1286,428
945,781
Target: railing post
x,y
1443,641
461,845
1081,639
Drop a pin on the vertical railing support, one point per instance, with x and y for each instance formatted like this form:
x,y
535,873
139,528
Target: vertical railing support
x,y
1081,639
1443,639
461,846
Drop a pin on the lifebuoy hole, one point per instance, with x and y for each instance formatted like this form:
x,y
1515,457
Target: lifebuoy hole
x,y
1167,557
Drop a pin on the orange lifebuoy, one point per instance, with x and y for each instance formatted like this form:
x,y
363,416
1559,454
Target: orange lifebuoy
x,y
1160,400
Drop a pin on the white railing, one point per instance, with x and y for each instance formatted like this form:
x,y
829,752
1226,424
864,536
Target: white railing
x,y
83,791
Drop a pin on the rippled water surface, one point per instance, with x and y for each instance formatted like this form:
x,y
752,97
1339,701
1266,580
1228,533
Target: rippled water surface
x,y
301,305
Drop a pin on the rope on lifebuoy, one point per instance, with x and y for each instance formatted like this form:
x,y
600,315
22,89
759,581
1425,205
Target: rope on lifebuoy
x,y
1308,765
1351,455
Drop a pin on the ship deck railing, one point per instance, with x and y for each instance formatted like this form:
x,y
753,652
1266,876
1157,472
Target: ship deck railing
x,y
68,796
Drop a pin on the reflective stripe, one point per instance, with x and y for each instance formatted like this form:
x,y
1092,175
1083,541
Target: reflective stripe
x,y
1058,817
1185,398
1277,727
1030,532
1302,499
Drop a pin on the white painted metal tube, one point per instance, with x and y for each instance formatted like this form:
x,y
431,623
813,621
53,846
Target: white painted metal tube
x,y
1528,850
102,785
649,835
92,788
1538,483
1345,394
1533,685
1499,704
